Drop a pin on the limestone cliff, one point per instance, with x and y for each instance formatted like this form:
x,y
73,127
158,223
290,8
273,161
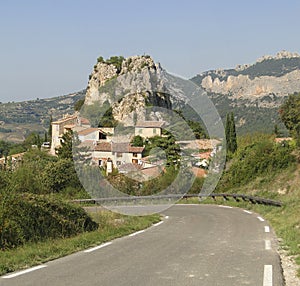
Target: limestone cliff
x,y
276,76
130,89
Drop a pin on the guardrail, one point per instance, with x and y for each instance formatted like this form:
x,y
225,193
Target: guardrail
x,y
236,197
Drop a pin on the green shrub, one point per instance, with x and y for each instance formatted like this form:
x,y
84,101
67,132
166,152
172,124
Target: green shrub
x,y
260,158
31,218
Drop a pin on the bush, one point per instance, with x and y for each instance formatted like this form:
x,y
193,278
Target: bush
x,y
259,158
31,218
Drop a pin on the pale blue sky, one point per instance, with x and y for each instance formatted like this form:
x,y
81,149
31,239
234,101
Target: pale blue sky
x,y
48,48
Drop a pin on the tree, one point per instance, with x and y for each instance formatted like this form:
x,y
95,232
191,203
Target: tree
x,y
290,115
50,128
65,150
78,104
230,132
137,141
107,120
59,175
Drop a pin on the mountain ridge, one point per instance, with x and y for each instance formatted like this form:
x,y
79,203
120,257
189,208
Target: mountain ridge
x,y
253,92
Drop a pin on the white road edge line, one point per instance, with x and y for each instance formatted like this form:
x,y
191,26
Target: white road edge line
x,y
24,271
98,247
248,212
268,279
225,207
158,223
267,244
136,233
260,218
267,228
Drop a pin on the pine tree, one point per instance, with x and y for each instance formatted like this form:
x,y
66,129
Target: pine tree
x,y
50,128
230,132
233,134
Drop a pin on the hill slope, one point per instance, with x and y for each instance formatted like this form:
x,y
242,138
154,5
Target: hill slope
x,y
254,92
17,119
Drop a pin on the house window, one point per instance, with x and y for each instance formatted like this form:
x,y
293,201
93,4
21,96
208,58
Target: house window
x,y
154,130
134,155
140,130
100,162
119,155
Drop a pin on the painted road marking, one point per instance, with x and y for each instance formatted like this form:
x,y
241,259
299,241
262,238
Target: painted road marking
x,y
136,233
225,207
166,217
260,218
98,247
268,279
248,212
24,272
267,244
267,228
158,223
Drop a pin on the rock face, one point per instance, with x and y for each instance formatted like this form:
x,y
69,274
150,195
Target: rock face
x,y
254,92
276,76
128,90
242,86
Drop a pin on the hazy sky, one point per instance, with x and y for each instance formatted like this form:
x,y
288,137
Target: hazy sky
x,y
48,48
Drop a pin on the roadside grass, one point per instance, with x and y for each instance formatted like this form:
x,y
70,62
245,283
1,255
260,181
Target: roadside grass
x,y
111,226
285,220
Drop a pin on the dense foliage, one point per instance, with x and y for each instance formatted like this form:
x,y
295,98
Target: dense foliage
x,y
231,141
290,115
259,157
113,60
27,217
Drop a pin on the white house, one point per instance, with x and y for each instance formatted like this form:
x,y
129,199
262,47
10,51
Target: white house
x,y
94,134
118,153
60,127
148,129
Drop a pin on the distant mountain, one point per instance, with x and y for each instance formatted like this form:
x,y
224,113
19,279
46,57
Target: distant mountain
x,y
254,92
17,119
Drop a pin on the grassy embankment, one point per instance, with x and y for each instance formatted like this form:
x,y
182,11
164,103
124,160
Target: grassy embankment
x,y
71,230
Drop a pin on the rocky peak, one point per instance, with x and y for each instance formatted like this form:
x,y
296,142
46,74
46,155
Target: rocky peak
x,y
107,70
129,86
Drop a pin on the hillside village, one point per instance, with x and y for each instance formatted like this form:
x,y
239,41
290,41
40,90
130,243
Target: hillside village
x,y
112,151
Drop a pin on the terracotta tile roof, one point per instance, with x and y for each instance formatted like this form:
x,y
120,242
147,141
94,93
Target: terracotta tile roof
x,y
87,131
103,146
150,124
118,147
84,121
69,126
67,118
204,155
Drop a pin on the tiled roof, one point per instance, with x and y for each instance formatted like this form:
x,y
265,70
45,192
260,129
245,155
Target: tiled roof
x,y
118,147
65,119
150,124
84,121
87,131
103,146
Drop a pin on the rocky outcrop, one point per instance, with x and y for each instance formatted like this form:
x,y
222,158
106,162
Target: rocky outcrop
x,y
137,73
242,86
129,90
270,76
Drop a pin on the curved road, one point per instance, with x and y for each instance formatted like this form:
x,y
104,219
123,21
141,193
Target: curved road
x,y
194,245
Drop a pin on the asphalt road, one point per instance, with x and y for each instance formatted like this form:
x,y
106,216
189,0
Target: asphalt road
x,y
195,245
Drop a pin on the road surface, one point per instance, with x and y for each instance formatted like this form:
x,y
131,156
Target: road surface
x,y
194,245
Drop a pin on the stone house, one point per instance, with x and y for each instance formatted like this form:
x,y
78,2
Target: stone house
x,y
118,153
94,134
148,129
60,127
